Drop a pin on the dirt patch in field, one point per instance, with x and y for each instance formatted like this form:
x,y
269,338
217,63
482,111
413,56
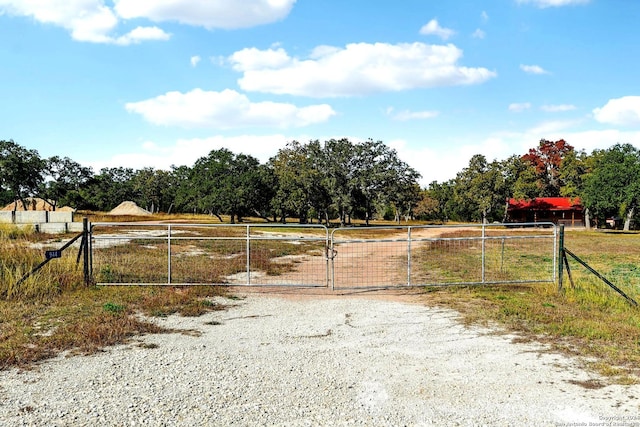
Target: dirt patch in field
x,y
359,265
376,269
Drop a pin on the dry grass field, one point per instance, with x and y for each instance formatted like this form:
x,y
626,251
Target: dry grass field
x,y
54,312
588,319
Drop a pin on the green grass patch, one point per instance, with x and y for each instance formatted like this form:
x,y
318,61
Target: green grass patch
x,y
589,320
456,258
113,308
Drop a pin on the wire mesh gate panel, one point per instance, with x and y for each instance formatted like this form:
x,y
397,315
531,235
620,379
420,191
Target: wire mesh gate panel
x,y
188,254
349,258
443,255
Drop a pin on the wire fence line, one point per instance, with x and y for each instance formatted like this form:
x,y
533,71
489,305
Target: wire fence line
x,y
315,256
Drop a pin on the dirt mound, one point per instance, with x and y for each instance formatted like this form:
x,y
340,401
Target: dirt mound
x,y
129,208
36,204
31,203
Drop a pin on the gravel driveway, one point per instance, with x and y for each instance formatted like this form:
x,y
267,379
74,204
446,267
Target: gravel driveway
x,y
308,361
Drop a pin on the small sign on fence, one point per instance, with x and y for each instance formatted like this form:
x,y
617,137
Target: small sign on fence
x,y
53,254
49,255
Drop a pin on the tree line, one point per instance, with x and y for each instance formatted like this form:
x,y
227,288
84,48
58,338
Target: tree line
x,y
335,179
607,182
307,181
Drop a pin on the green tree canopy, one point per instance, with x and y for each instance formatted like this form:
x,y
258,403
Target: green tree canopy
x,y
295,176
21,171
480,191
108,189
226,183
613,186
64,181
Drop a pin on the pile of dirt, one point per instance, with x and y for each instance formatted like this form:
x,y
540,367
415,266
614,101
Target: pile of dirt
x,y
129,208
35,204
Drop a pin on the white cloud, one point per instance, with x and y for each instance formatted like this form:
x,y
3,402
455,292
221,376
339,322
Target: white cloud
x,y
252,59
570,130
86,20
96,21
442,164
140,34
225,110
553,3
533,69
478,34
552,127
558,108
434,28
227,14
195,60
580,139
623,111
519,107
185,152
439,163
484,16
357,69
589,140
412,115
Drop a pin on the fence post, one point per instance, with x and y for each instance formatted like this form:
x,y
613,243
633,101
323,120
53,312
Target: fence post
x,y
168,254
85,251
248,249
409,256
484,242
560,257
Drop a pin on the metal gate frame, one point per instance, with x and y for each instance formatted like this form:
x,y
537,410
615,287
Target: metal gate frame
x,y
170,233
411,240
407,245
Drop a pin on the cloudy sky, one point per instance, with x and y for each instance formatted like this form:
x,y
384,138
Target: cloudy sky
x,y
156,83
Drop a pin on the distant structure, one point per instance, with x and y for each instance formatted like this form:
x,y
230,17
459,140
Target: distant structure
x,y
558,210
39,213
35,204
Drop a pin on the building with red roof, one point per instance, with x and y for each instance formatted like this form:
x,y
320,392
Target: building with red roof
x,y
558,210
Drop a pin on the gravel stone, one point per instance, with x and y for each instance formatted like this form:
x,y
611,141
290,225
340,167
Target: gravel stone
x,y
308,362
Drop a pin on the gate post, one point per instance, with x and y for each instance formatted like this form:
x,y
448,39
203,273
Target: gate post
x,y
248,249
409,256
484,243
560,256
168,254
85,251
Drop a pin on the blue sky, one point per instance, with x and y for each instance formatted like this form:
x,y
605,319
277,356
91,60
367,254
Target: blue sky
x,y
156,83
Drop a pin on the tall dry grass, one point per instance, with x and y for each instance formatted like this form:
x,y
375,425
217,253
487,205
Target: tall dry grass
x,y
54,311
20,255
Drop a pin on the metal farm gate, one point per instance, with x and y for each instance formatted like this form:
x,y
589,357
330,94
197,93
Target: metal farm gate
x,y
311,256
216,254
470,254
